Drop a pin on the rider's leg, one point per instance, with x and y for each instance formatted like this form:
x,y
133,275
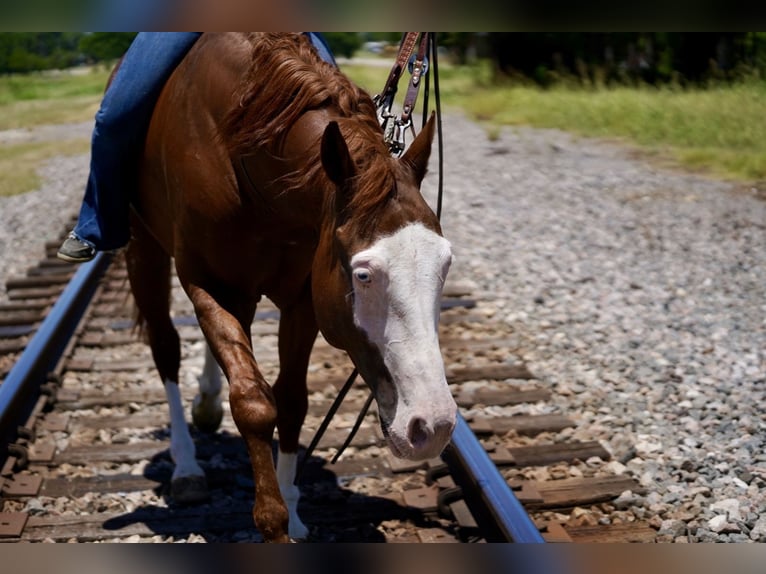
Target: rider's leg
x,y
121,123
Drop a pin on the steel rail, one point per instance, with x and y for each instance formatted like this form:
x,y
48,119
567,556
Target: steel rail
x,y
496,509
20,388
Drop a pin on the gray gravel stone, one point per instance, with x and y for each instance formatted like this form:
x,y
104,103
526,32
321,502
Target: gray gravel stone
x,y
639,292
28,220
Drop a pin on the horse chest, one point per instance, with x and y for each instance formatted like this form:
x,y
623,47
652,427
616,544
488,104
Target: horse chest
x,y
275,269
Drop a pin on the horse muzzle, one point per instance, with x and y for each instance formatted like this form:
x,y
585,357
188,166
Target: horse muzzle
x,y
420,437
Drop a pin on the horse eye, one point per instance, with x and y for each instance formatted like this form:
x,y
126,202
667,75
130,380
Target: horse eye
x,y
363,275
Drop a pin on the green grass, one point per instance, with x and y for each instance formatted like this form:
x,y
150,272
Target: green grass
x,y
720,131
53,85
50,98
19,163
38,99
371,78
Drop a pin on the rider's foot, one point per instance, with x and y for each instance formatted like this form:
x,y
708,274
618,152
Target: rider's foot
x,y
75,250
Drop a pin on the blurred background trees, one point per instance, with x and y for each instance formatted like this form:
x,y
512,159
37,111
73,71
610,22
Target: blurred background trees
x,y
602,58
625,58
104,46
22,52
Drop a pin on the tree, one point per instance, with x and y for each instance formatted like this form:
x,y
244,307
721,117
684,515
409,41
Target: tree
x,y
459,44
343,43
30,51
106,45
628,57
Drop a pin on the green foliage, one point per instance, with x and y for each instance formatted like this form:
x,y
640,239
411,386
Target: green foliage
x,y
27,100
719,130
716,124
49,86
462,46
22,52
343,43
629,58
614,58
390,37
31,51
106,45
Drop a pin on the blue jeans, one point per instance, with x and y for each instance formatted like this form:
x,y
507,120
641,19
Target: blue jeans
x,y
120,129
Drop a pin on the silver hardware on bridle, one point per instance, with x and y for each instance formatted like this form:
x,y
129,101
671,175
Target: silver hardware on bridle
x,y
395,128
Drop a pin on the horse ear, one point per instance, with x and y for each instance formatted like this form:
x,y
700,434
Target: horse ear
x,y
336,160
417,155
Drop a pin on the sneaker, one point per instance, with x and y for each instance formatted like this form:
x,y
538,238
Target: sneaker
x,y
75,250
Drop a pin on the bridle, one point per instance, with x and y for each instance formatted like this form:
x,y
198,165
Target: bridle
x,y
394,129
419,65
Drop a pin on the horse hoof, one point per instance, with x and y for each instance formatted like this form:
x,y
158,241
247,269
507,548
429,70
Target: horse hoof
x,y
206,414
189,489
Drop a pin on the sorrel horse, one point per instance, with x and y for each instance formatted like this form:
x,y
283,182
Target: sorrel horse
x,y
265,173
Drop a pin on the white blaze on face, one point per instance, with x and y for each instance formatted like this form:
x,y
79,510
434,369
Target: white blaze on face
x,y
397,290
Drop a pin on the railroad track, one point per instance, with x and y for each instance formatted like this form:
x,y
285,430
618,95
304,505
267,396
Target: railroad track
x,y
91,463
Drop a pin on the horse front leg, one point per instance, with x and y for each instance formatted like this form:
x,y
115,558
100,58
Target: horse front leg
x,y
297,333
253,406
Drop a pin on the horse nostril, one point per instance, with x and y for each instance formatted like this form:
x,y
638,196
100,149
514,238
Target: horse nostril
x,y
444,427
419,432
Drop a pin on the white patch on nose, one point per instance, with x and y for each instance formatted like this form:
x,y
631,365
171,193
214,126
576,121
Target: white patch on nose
x,y
398,283
397,290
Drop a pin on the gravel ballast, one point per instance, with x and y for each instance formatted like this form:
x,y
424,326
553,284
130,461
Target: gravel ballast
x,y
636,292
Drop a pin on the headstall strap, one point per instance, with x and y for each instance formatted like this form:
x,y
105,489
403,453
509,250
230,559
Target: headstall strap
x,y
394,127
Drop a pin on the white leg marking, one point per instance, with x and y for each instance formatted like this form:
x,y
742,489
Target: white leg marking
x,y
287,464
207,409
210,379
182,449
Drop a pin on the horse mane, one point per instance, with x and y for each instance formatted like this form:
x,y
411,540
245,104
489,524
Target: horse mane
x,y
286,78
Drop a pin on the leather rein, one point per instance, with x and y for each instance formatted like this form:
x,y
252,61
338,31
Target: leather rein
x,y
394,130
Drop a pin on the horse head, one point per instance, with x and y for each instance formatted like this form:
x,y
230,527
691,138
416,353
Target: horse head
x,y
377,281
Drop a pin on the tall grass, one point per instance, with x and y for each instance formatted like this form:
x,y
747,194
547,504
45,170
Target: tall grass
x,y
720,129
37,99
19,163
53,85
28,100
